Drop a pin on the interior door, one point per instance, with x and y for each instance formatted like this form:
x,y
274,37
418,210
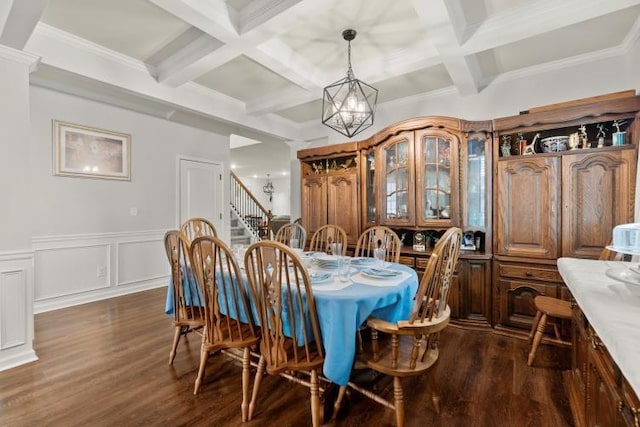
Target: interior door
x,y
200,191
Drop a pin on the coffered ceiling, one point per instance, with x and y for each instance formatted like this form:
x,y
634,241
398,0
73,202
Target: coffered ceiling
x,y
258,67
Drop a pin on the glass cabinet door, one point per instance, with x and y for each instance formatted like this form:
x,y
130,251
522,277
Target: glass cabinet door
x,y
436,177
396,177
369,174
475,185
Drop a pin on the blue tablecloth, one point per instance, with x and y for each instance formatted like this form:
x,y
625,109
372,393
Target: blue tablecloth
x,y
342,312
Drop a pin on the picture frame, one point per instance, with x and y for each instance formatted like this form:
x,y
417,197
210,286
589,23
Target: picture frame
x,y
88,152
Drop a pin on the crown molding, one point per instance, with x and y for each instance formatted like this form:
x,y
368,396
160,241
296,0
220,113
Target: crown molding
x,y
48,31
20,57
554,65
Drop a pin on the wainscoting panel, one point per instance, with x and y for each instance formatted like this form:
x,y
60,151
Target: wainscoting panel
x,y
76,269
141,261
70,270
13,288
16,309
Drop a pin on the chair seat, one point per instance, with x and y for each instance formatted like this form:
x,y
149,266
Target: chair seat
x,y
384,363
553,307
234,339
315,359
547,308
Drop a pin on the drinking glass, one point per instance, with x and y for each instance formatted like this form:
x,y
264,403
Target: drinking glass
x,y
345,268
379,254
336,249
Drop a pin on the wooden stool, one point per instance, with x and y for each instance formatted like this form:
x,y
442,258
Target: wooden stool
x,y
547,307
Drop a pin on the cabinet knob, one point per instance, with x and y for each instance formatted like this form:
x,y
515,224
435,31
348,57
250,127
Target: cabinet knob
x,y
528,274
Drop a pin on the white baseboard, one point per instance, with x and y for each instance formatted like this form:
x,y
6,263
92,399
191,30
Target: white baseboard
x,y
17,359
84,298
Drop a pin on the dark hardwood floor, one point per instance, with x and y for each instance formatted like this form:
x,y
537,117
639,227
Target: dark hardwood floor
x,y
105,364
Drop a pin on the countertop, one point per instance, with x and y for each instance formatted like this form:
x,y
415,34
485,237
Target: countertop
x,y
612,308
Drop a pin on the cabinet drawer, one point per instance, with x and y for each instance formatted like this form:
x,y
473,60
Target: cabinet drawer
x,y
530,273
407,260
421,263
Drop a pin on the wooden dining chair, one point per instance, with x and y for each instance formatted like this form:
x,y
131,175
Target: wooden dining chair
x,y
550,311
188,303
228,319
379,236
291,342
326,235
198,227
293,235
413,345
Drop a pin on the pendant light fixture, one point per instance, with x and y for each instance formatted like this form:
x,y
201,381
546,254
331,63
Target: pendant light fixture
x,y
268,188
348,105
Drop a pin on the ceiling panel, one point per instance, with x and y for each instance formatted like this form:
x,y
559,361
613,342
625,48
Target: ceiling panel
x,y
383,27
244,79
303,113
589,36
135,28
421,81
477,11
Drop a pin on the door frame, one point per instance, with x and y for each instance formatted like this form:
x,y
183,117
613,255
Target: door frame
x,y
221,197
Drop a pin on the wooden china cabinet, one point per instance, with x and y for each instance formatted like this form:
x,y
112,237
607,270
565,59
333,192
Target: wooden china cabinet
x,y
410,177
557,203
330,189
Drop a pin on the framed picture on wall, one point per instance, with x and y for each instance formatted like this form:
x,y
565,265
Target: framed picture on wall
x,y
89,152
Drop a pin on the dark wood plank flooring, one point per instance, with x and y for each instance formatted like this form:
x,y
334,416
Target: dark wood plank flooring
x,y
105,364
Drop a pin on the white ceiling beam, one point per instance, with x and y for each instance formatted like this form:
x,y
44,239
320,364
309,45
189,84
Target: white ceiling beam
x,y
531,19
445,25
186,63
259,21
259,12
18,19
75,55
213,17
282,101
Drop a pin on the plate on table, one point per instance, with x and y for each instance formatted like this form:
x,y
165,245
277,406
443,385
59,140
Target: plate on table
x,y
310,254
359,261
623,274
327,262
318,277
380,273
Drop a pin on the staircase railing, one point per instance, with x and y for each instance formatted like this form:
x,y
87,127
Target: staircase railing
x,y
249,210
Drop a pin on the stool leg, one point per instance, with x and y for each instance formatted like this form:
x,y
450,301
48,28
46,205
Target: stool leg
x,y
534,325
537,338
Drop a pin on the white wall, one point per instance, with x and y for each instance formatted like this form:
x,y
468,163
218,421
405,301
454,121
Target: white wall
x,y
87,245
16,213
281,202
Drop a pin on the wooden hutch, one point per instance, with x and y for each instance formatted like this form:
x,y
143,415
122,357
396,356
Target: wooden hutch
x,y
426,174
419,175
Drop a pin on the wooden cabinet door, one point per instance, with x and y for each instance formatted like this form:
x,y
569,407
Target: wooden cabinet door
x,y
603,400
343,208
597,194
527,218
314,203
475,292
396,181
437,192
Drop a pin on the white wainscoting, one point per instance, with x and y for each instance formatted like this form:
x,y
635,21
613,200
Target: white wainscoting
x,y
16,309
76,269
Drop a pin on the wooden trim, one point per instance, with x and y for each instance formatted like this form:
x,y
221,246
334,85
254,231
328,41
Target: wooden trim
x,y
416,123
582,101
334,150
604,111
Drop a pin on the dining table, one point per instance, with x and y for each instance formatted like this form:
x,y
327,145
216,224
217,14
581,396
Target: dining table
x,y
343,306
